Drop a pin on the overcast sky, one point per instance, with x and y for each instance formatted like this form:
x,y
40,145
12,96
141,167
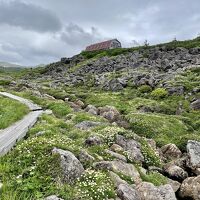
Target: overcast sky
x,y
42,31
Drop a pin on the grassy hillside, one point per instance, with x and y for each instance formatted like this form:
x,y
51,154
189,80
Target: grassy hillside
x,y
31,171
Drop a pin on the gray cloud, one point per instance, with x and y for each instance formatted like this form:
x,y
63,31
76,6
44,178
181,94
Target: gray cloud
x,y
28,16
75,35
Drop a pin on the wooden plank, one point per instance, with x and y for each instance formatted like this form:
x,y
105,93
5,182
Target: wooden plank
x,y
14,133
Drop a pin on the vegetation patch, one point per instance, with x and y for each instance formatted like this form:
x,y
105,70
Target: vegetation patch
x,y
10,111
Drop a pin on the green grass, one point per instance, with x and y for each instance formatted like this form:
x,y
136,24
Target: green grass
x,y
10,112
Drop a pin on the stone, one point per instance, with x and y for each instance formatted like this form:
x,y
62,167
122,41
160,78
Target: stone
x,y
79,103
87,125
175,172
171,151
175,184
49,97
116,148
93,140
110,113
40,133
193,150
75,107
116,155
196,104
84,157
92,110
190,188
132,148
53,197
119,167
126,192
116,179
70,165
148,191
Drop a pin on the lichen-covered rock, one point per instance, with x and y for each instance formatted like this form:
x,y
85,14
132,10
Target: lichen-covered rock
x,y
110,113
53,197
119,167
148,191
175,184
116,148
175,172
93,140
117,156
171,151
84,157
116,179
79,103
70,165
190,188
91,109
193,150
132,147
126,192
87,125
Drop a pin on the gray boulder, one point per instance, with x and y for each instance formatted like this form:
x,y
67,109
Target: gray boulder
x,y
116,179
116,155
119,167
175,172
110,113
193,150
84,157
70,165
132,147
171,151
93,140
148,191
87,125
91,109
190,188
126,192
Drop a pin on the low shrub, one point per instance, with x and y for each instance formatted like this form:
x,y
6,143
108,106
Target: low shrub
x,y
159,93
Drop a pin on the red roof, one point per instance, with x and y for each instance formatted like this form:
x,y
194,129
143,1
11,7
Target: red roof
x,y
99,46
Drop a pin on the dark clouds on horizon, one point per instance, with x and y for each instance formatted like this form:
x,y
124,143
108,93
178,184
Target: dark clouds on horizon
x,y
42,31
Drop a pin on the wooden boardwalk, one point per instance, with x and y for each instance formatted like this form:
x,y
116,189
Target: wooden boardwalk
x,y
15,132
27,102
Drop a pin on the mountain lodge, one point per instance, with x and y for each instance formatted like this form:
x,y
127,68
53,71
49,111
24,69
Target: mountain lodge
x,y
110,44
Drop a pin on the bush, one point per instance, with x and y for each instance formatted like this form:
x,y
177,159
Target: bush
x,y
159,93
145,89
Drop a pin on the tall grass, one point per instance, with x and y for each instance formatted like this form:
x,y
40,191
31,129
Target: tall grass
x,y
10,112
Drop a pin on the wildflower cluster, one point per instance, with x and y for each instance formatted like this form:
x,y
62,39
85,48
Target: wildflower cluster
x,y
109,133
95,185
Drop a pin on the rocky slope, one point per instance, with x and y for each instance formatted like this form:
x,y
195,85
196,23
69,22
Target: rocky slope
x,y
117,127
